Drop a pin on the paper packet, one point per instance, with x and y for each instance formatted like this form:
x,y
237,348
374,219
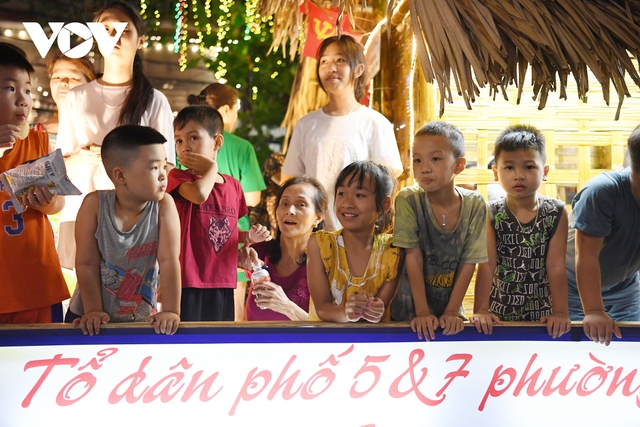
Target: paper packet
x,y
47,171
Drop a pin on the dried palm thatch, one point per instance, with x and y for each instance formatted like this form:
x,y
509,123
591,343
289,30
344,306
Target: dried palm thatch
x,y
493,42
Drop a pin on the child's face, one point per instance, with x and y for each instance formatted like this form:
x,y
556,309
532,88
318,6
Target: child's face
x,y
296,212
146,176
434,163
15,96
335,72
520,172
356,207
194,138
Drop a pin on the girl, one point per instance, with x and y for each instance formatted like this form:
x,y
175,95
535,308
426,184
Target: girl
x,y
123,95
343,131
300,208
353,273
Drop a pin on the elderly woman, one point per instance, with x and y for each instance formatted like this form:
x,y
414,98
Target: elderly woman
x,y
65,74
300,209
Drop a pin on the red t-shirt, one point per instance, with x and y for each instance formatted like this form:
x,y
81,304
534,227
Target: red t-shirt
x,y
209,232
31,274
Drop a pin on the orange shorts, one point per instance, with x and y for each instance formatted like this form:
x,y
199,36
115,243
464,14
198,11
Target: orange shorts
x,y
36,315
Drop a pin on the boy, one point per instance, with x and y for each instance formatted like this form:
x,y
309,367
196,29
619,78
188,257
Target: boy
x,y
525,278
603,269
442,228
32,282
126,236
209,205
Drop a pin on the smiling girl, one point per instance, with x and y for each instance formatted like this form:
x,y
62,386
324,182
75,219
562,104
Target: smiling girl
x,y
343,131
353,273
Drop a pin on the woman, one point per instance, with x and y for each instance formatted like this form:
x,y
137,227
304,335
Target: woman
x,y
300,209
65,74
123,95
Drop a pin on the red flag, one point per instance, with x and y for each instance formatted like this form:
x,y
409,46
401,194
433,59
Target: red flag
x,y
322,25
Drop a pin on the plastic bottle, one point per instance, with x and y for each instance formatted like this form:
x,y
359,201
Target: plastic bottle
x,y
260,275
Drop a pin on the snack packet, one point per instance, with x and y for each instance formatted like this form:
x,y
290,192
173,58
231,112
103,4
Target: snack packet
x,y
24,132
47,171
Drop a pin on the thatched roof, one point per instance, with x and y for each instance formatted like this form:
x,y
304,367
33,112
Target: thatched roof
x,y
480,43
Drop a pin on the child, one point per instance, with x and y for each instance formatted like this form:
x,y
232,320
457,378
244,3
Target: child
x,y
209,205
32,282
525,278
352,273
442,228
236,158
123,95
125,236
343,131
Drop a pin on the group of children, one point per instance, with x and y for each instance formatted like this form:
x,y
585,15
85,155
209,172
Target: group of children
x,y
137,247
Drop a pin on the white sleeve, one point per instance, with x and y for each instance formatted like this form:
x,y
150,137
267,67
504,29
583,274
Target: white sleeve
x,y
161,119
293,161
67,140
383,148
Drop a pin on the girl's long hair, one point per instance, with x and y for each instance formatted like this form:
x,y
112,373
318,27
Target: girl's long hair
x,y
384,185
319,202
140,94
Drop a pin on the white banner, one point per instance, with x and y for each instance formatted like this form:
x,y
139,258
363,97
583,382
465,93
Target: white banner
x,y
496,383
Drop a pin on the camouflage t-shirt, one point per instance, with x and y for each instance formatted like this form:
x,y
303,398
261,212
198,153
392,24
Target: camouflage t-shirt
x,y
520,289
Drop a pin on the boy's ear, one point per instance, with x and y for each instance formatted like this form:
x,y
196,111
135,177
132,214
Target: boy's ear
x,y
118,175
219,141
495,173
545,172
461,162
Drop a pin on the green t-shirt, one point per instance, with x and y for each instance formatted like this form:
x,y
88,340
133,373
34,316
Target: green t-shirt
x,y
416,227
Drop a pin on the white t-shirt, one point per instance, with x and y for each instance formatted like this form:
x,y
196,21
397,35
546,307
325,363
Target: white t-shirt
x,y
88,113
322,145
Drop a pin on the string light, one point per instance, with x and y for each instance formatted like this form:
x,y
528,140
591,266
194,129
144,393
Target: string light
x,y
224,26
200,48
207,12
180,44
252,19
143,9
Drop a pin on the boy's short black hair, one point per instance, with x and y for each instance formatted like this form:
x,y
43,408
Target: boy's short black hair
x,y
120,145
449,131
633,144
203,115
520,137
14,57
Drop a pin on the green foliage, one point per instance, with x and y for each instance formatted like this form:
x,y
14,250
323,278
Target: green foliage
x,y
264,81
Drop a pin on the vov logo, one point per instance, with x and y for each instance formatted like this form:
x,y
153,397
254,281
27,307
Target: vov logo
x,y
63,32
